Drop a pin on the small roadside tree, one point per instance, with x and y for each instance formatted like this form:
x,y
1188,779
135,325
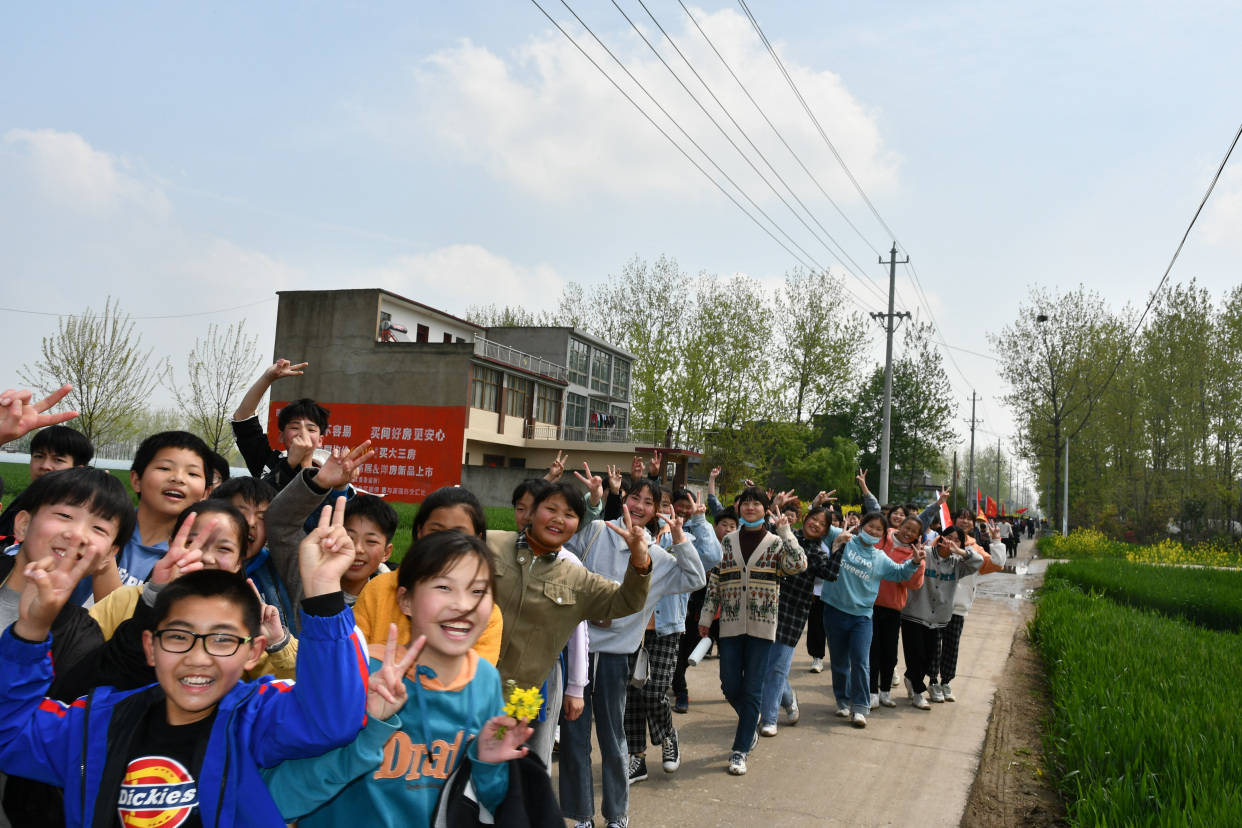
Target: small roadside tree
x,y
218,369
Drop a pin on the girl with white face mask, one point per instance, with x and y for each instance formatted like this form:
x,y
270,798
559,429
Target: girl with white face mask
x,y
848,603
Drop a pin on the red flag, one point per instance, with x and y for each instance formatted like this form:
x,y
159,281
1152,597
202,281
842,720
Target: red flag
x,y
945,519
991,510
1023,509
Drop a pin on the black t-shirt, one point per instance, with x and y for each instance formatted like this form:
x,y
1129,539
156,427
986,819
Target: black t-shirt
x,y
160,788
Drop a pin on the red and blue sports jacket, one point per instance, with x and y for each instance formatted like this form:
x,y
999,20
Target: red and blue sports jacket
x,y
84,747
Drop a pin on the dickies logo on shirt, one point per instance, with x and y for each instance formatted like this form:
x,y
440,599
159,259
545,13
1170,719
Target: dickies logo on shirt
x,y
157,792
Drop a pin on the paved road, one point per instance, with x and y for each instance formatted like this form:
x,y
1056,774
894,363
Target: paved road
x,y
908,767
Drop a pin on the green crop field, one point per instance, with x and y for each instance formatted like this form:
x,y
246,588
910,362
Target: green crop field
x,y
1146,728
1210,598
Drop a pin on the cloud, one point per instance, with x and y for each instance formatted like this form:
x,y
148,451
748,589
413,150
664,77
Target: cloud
x,y
544,120
452,277
70,173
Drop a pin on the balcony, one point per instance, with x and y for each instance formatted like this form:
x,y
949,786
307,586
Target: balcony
x,y
615,434
519,359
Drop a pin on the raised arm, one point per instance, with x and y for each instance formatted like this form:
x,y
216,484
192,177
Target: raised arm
x,y
20,416
249,405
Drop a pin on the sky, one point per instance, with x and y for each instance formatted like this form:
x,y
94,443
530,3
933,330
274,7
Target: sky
x,y
197,158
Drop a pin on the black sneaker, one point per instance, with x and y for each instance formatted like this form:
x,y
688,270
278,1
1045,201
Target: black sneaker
x,y
638,768
671,753
682,703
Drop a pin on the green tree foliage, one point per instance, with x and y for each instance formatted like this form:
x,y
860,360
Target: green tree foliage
x,y
218,369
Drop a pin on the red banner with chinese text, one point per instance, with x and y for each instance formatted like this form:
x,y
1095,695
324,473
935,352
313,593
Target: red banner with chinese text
x,y
418,448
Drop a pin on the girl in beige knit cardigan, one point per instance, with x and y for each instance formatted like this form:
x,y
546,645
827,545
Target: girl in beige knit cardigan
x,y
745,589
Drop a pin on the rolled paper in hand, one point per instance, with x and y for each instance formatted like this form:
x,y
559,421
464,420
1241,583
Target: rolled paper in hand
x,y
699,651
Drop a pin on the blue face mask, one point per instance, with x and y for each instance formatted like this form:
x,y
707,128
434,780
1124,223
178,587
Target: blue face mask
x,y
750,524
867,538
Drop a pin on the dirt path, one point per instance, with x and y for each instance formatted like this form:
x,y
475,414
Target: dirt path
x,y
1011,788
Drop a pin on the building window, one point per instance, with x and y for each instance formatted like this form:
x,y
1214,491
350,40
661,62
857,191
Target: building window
x,y
578,358
621,379
621,418
448,337
517,462
485,391
423,333
575,417
601,370
518,394
495,461
600,421
548,404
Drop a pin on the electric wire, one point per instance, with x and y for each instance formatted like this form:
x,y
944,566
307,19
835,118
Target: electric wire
x,y
159,316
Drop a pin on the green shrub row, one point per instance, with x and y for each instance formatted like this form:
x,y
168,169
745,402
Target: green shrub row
x,y
1208,597
1146,725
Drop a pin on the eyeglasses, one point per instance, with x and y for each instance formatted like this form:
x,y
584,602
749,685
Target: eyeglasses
x,y
215,644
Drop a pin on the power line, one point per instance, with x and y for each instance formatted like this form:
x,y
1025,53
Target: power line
x,y
675,123
161,316
736,125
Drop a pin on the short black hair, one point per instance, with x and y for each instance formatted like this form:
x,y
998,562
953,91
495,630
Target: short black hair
x,y
152,445
303,409
96,489
435,553
870,516
452,496
59,439
683,494
726,514
648,484
219,464
253,490
211,583
218,506
754,493
530,486
566,490
376,510
953,530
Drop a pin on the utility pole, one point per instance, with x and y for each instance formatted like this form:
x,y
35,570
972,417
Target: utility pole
x,y
1065,500
998,465
972,422
890,326
954,485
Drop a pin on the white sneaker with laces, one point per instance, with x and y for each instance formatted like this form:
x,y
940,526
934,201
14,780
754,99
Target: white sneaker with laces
x,y
737,763
792,711
875,700
859,720
886,699
920,701
767,730
937,694
843,711
817,665
947,692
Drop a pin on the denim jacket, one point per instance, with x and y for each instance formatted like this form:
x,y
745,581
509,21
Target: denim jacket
x,y
670,612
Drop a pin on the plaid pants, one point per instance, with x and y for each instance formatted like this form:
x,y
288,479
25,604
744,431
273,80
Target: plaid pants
x,y
649,708
944,664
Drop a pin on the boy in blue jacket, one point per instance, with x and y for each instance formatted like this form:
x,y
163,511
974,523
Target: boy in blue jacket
x,y
187,750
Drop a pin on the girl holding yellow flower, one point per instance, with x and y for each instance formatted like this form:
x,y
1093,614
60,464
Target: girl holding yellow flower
x,y
447,708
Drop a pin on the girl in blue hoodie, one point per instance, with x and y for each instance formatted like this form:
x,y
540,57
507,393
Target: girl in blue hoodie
x,y
847,612
446,709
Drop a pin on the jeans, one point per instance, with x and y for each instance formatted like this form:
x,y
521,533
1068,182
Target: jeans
x,y
604,700
743,663
776,690
849,648
541,740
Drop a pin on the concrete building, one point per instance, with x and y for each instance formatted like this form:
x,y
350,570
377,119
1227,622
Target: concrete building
x,y
443,399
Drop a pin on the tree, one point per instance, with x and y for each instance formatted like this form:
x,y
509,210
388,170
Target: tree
x,y
1062,350
218,369
818,342
102,358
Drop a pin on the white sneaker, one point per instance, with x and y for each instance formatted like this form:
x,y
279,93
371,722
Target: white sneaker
x,y
875,700
767,730
947,692
937,694
792,711
909,686
886,699
920,701
843,711
737,763
859,720
817,665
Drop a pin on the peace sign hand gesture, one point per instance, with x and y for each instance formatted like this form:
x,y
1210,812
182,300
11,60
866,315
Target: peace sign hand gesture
x,y
185,555
386,693
635,538
269,616
49,585
593,483
326,553
19,416
343,467
557,469
615,477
